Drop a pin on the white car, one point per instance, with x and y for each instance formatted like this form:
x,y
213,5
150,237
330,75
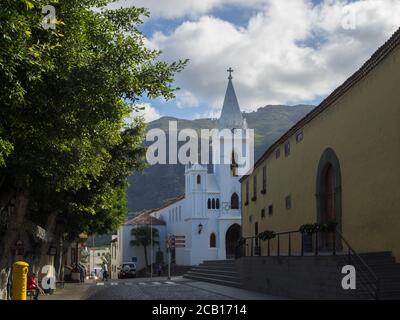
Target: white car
x,y
127,270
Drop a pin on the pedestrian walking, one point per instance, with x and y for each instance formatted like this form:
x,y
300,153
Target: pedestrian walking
x,y
105,272
159,269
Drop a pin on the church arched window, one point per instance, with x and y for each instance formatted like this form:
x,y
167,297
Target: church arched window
x,y
213,203
217,204
209,204
198,179
234,166
213,240
234,201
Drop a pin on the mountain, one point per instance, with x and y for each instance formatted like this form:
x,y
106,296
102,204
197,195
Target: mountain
x,y
159,183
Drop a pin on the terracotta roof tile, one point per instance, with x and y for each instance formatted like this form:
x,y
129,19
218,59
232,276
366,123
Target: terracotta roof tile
x,y
145,219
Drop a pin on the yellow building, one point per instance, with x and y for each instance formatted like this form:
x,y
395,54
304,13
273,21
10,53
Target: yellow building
x,y
340,162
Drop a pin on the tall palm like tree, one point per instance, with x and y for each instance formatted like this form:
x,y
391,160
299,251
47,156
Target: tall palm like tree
x,y
143,236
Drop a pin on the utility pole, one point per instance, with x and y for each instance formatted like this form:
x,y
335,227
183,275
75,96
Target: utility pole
x,y
151,247
169,263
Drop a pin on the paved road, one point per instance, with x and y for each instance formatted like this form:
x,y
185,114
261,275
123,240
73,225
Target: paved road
x,y
177,288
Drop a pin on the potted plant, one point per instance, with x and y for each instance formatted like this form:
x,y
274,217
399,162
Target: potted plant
x,y
266,235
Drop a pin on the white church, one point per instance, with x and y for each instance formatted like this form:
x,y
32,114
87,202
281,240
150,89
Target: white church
x,y
208,215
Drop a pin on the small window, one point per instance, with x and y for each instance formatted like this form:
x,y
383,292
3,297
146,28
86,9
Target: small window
x,y
262,213
254,198
198,179
213,241
288,202
299,136
234,166
277,153
264,180
234,201
247,191
256,233
217,204
209,203
287,148
270,210
213,203
250,218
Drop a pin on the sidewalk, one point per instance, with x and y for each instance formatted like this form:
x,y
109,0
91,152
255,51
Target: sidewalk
x,y
231,292
71,291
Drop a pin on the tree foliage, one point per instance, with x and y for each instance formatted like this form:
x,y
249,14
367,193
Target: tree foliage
x,y
65,95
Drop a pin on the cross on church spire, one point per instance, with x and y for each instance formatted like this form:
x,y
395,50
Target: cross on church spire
x,y
230,70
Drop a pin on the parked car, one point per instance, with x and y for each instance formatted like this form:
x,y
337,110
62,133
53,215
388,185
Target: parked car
x,y
127,270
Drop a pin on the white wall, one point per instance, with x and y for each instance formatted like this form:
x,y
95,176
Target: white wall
x,y
128,252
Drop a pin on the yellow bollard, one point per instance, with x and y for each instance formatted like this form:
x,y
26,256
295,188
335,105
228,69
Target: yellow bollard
x,y
19,280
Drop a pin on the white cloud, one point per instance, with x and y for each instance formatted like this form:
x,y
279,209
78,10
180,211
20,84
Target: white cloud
x,y
291,51
149,113
186,99
180,8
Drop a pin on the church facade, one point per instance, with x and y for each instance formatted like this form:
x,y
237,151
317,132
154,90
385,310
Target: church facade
x,y
208,216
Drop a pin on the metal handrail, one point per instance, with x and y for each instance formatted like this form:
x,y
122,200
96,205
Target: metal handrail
x,y
368,277
374,292
358,256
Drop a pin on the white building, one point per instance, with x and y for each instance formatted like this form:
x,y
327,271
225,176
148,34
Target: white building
x,y
208,216
96,260
123,251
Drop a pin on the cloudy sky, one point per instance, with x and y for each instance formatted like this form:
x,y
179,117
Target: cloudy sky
x,y
283,52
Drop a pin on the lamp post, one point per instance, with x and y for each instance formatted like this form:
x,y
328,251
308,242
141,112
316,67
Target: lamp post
x,y
151,247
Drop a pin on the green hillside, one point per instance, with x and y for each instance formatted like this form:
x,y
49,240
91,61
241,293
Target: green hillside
x,y
161,182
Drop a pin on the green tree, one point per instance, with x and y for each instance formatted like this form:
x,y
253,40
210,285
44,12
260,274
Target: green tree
x,y
64,95
143,237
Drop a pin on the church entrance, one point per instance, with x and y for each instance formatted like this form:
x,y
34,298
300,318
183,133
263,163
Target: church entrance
x,y
329,196
231,240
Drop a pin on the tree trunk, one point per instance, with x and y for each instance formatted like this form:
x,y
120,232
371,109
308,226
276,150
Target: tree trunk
x,y
50,228
58,263
10,237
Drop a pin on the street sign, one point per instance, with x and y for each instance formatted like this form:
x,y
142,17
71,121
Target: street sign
x,y
176,241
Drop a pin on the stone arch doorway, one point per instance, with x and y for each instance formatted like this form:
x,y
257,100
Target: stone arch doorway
x,y
231,240
329,197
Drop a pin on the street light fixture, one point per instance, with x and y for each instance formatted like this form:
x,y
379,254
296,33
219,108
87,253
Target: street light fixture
x,y
200,228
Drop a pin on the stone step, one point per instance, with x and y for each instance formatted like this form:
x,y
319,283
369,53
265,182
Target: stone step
x,y
211,280
234,278
216,271
215,266
380,254
219,261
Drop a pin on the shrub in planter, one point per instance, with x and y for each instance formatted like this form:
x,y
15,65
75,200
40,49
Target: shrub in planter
x,y
241,242
329,226
266,235
309,228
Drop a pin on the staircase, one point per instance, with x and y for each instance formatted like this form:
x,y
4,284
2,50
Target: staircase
x,y
388,272
221,272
